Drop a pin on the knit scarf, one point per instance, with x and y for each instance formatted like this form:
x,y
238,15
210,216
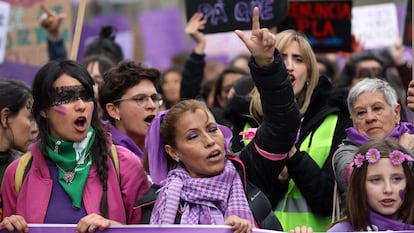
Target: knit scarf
x,y
403,127
72,157
206,200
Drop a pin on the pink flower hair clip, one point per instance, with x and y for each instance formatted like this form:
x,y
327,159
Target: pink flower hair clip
x,y
397,157
359,160
372,155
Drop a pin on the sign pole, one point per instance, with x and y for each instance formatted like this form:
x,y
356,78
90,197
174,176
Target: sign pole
x,y
78,30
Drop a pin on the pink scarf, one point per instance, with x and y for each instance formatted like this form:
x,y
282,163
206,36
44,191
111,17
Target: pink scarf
x,y
206,200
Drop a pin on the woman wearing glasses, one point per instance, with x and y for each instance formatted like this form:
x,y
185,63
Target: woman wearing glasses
x,y
130,100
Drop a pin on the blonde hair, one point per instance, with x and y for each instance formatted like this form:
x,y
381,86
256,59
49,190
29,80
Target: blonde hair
x,y
284,39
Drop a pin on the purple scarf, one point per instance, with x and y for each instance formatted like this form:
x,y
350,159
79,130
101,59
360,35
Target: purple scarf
x,y
403,127
378,223
157,157
206,200
385,224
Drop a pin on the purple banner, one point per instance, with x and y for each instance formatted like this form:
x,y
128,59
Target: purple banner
x,y
70,228
162,35
19,71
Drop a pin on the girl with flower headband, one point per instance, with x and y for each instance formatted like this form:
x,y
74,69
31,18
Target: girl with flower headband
x,y
380,189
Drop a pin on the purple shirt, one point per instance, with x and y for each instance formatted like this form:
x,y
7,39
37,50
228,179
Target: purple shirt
x,y
60,208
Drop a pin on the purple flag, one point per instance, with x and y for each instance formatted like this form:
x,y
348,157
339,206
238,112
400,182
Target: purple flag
x,y
162,35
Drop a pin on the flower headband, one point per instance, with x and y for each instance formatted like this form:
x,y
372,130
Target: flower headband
x,y
373,155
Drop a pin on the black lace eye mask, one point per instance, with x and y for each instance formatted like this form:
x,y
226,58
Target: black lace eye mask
x,y
69,94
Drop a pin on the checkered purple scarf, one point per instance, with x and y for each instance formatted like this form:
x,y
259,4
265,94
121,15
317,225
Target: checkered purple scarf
x,y
206,200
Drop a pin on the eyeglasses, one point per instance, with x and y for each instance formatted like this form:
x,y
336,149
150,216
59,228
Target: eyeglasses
x,y
142,99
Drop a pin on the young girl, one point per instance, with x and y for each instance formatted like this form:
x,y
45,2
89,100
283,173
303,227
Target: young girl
x,y
380,189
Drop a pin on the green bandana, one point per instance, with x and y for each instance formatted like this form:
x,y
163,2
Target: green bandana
x,y
74,162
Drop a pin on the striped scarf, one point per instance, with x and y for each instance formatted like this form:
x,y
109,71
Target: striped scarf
x,y
206,200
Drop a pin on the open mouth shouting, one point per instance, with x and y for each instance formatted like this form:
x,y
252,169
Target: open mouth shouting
x,y
292,79
81,124
149,119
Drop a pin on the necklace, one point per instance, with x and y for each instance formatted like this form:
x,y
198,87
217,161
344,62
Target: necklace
x,y
68,176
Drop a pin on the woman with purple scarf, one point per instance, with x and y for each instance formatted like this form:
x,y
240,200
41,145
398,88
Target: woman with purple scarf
x,y
375,113
201,182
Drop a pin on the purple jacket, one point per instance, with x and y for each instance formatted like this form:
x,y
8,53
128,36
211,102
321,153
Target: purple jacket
x,y
32,201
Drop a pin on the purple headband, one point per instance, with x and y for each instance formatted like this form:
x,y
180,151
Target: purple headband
x,y
157,157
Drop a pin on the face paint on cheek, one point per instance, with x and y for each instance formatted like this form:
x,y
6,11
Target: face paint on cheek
x,y
402,194
59,109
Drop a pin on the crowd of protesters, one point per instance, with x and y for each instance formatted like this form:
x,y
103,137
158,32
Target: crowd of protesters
x,y
281,138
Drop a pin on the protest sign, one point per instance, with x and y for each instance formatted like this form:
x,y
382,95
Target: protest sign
x,y
376,25
224,16
26,39
4,21
327,24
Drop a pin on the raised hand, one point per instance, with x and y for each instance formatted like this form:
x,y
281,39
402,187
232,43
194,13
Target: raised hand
x,y
193,29
51,22
261,43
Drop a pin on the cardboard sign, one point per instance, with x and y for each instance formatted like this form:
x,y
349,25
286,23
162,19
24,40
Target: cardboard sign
x,y
26,39
229,15
375,26
4,21
327,24
408,26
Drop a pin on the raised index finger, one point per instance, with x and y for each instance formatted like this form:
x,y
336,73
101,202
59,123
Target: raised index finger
x,y
255,19
46,9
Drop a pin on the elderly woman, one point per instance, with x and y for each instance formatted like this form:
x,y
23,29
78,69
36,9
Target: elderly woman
x,y
375,113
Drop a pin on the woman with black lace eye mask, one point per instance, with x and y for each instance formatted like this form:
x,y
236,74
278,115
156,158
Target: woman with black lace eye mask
x,y
69,94
71,171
